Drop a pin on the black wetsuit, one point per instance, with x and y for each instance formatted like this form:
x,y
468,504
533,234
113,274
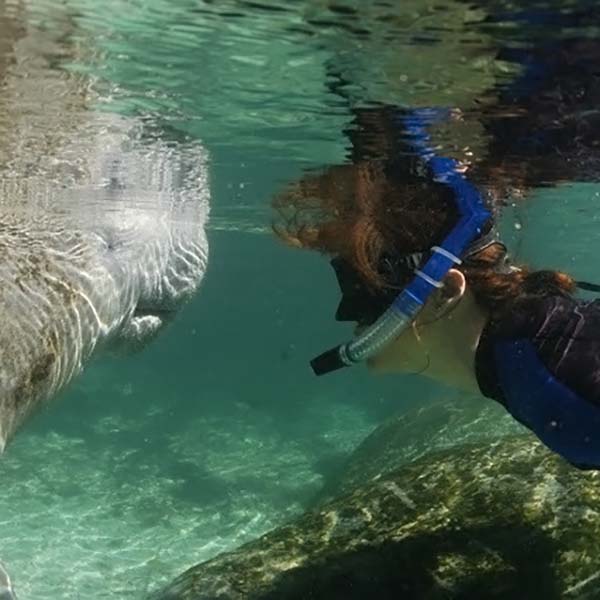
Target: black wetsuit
x,y
541,360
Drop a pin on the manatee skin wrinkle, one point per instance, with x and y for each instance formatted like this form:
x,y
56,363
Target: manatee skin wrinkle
x,y
58,298
103,262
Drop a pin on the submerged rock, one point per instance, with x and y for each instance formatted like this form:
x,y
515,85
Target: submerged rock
x,y
415,433
492,520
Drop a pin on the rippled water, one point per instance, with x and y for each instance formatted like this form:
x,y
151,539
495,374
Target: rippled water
x,y
216,432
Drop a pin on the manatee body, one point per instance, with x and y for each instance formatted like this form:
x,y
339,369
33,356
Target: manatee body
x,y
99,247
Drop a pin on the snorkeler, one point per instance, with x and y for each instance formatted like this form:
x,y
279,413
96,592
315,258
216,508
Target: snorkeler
x,y
433,291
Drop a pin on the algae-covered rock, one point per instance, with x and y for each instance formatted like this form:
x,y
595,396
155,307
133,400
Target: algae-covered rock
x,y
493,520
415,433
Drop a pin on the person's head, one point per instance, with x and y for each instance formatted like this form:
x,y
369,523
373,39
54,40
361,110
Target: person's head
x,y
375,224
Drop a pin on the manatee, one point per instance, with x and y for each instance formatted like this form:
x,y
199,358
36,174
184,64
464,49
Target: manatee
x,y
101,218
101,241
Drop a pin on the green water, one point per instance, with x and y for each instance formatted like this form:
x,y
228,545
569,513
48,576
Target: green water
x,y
154,462
217,432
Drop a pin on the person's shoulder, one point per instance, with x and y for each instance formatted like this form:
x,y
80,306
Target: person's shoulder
x,y
526,316
569,345
573,315
565,333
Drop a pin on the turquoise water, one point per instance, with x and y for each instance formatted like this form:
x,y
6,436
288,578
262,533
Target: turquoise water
x,y
217,432
154,462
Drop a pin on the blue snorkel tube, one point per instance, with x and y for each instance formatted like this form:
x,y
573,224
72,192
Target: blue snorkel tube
x,y
403,311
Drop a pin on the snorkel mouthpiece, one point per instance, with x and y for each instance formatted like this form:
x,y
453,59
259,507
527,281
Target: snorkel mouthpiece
x,y
391,324
406,306
329,361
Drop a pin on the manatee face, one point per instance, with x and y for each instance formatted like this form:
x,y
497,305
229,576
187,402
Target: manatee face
x,y
99,247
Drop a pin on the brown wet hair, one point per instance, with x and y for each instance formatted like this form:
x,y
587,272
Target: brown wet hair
x,y
361,212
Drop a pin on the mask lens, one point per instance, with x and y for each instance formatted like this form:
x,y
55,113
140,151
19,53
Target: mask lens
x,y
360,303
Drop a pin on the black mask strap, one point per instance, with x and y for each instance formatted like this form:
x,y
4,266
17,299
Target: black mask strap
x,y
589,287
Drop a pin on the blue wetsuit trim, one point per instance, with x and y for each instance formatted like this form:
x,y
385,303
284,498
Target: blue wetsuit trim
x,y
563,421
